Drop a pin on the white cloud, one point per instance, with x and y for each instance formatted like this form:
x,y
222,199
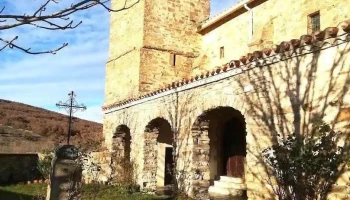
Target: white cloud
x,y
43,80
76,59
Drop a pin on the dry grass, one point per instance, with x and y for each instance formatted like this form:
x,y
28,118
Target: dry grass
x,y
26,147
25,128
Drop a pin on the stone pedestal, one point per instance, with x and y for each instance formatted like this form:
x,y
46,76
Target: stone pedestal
x,y
65,177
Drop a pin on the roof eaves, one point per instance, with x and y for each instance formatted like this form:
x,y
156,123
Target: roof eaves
x,y
219,17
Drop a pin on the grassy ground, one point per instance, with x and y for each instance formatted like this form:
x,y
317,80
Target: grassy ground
x,y
89,192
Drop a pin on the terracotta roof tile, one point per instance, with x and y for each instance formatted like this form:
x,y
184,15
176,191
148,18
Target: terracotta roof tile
x,y
330,32
306,39
320,35
295,43
345,25
267,51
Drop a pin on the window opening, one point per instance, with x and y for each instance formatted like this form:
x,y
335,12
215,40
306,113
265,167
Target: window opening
x,y
173,59
314,22
222,52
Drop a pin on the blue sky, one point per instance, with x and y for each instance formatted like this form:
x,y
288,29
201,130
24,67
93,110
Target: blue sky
x,y
43,80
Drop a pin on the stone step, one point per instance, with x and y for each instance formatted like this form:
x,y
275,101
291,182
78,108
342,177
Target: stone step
x,y
231,179
224,192
340,188
221,197
337,196
230,185
217,191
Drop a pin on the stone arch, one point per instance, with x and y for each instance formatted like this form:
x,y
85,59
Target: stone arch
x,y
208,132
121,143
157,137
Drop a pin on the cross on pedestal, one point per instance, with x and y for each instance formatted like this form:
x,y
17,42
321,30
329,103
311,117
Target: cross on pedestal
x,y
71,106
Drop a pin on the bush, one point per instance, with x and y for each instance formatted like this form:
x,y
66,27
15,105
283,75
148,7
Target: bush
x,y
44,163
123,174
306,166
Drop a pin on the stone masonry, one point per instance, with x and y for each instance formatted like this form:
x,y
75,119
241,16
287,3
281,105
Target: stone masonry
x,y
150,158
145,38
289,79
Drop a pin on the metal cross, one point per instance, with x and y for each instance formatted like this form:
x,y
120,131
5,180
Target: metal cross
x,y
71,106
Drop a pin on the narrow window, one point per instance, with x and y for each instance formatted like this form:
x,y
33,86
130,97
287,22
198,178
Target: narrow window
x,y
314,23
173,59
222,52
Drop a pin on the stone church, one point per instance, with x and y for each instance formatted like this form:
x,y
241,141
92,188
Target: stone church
x,y
208,94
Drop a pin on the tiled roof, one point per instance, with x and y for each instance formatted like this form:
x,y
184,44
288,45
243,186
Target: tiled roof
x,y
286,46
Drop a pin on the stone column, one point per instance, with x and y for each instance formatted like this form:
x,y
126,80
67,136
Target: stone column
x,y
150,161
118,157
200,166
65,177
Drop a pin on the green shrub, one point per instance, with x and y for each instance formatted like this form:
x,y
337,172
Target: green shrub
x,y
307,166
44,163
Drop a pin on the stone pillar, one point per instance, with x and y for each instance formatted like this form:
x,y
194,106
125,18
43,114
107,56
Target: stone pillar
x,y
150,161
200,165
118,157
65,177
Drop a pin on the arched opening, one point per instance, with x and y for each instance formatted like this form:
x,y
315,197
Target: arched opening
x,y
158,152
219,137
122,142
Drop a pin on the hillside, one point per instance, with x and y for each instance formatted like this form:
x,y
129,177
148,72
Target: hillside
x,y
25,128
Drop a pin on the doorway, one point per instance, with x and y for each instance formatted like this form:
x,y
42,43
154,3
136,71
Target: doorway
x,y
168,172
233,148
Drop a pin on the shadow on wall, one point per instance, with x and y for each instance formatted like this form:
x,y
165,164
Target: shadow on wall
x,y
16,168
306,85
15,196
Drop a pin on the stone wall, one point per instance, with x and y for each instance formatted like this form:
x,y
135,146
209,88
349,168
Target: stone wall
x,y
143,40
149,179
170,30
126,38
122,77
16,168
97,167
172,24
157,68
278,91
274,21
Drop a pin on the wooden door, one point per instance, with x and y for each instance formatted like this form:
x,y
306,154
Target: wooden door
x,y
235,166
234,148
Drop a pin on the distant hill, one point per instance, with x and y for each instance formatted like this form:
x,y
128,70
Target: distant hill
x,y
25,128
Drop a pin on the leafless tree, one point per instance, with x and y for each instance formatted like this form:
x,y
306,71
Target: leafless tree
x,y
58,19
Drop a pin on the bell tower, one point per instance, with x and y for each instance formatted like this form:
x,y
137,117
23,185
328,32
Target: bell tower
x,y
151,44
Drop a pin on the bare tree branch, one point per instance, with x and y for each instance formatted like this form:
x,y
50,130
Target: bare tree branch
x,y
42,8
117,10
58,27
51,21
8,43
11,45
